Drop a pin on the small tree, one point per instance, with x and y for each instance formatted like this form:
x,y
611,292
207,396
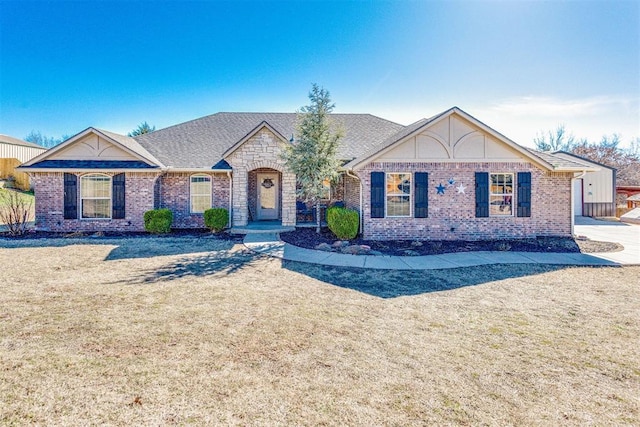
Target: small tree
x,y
313,156
15,211
142,128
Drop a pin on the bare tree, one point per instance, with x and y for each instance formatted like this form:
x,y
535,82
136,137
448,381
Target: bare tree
x,y
15,212
556,140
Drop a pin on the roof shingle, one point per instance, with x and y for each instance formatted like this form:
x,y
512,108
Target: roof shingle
x,y
200,143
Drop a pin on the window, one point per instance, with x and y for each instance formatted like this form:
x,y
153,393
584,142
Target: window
x,y
95,196
200,193
398,194
501,194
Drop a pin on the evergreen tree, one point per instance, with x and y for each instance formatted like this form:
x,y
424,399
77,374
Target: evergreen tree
x,y
313,156
142,129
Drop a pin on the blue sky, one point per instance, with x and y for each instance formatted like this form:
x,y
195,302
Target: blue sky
x,y
519,66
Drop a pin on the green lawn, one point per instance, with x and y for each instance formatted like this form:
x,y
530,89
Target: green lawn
x,y
4,200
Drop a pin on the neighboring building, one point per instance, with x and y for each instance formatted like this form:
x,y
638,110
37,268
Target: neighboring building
x,y
13,152
595,192
448,177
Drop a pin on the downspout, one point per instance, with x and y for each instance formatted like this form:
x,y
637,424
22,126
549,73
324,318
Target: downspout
x,y
361,200
230,199
573,200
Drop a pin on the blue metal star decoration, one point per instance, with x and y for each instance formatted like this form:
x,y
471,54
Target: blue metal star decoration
x,y
452,181
440,188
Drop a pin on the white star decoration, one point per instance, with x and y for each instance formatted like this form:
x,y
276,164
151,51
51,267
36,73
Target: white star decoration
x,y
461,188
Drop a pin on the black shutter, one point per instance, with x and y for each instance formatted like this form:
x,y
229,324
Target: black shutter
x,y
70,196
421,194
118,196
482,194
377,194
524,194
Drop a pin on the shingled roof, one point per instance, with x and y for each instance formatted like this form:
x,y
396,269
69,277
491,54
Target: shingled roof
x,y
200,143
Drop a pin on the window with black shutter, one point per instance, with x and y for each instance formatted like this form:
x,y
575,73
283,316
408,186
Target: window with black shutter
x,y
421,207
118,195
482,194
524,194
377,194
70,196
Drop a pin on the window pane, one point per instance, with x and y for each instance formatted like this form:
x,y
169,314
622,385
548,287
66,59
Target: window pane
x,y
398,206
399,183
398,194
200,203
500,205
96,208
200,193
96,186
501,196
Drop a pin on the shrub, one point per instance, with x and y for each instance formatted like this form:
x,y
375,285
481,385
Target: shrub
x,y
158,221
343,222
15,211
216,219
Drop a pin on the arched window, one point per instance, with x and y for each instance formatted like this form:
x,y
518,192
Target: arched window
x,y
95,196
200,193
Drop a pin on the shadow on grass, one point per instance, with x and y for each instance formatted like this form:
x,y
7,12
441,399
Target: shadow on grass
x,y
131,247
220,262
398,283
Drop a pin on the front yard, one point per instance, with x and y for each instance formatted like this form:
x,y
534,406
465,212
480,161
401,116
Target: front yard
x,y
161,331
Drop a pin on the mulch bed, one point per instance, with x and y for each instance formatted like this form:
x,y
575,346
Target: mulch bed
x,y
308,238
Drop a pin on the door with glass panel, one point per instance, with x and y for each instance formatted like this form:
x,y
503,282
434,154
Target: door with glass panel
x,y
267,196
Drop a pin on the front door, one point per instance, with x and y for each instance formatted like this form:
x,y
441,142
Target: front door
x,y
267,196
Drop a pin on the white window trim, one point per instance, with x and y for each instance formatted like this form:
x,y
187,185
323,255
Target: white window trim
x,y
82,199
200,175
386,197
513,195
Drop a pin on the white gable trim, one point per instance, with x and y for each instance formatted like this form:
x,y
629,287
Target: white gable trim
x,y
74,139
359,163
248,136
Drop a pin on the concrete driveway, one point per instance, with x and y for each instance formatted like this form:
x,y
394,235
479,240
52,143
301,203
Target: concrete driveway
x,y
628,235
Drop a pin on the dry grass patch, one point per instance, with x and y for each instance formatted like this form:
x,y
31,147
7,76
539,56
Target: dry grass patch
x,y
197,331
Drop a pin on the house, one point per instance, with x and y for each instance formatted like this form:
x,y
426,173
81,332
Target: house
x,y
446,177
13,152
595,193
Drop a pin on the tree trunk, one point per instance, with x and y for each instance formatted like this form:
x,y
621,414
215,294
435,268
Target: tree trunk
x,y
318,216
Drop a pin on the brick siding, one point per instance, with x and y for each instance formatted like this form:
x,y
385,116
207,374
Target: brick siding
x,y
452,216
49,206
174,190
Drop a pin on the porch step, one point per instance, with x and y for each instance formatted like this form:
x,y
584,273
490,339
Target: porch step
x,y
261,227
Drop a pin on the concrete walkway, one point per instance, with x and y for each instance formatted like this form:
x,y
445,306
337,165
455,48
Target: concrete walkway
x,y
270,244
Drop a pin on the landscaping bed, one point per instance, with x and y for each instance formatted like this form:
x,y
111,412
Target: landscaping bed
x,y
326,240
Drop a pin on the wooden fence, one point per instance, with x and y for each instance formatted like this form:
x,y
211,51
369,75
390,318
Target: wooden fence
x,y
8,172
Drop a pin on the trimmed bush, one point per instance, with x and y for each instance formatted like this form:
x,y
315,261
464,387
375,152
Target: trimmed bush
x,y
343,222
158,221
216,219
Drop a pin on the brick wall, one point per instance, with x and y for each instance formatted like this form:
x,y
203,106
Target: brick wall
x,y
174,191
49,206
452,215
351,192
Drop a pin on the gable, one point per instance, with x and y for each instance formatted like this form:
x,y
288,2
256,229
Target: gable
x,y
92,147
452,138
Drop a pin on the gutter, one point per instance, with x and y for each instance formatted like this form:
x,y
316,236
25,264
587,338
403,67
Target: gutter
x,y
230,198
